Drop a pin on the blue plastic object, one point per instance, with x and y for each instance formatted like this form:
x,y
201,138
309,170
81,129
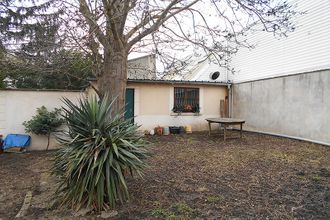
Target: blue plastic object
x,y
16,140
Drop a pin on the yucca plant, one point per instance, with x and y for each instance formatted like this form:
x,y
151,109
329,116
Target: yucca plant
x,y
99,151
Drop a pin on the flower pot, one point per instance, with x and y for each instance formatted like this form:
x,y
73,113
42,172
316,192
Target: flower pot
x,y
159,130
166,131
174,130
188,129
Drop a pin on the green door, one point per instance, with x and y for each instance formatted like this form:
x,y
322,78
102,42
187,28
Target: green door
x,y
129,104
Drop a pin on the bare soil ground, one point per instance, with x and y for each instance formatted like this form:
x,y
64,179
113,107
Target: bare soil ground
x,y
194,177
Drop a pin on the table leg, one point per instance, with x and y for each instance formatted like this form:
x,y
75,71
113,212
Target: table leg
x,y
241,130
224,132
209,128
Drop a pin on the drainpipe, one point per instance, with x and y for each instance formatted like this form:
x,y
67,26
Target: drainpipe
x,y
230,100
230,95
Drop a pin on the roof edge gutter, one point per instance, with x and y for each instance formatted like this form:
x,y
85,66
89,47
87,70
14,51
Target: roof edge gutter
x,y
178,82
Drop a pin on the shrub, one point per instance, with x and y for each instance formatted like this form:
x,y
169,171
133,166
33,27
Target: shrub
x,y
99,150
44,122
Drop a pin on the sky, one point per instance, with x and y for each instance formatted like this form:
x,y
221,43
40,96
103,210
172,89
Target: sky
x,y
187,26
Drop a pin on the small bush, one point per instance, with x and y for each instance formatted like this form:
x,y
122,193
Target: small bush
x,y
99,150
159,212
173,217
214,199
44,122
183,207
316,178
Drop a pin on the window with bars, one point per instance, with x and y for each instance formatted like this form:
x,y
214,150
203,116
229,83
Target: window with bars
x,y
186,99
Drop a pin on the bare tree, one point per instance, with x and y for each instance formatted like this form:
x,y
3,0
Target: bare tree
x,y
112,29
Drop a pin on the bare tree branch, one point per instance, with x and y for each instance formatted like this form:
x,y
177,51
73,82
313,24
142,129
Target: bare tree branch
x,y
163,17
92,22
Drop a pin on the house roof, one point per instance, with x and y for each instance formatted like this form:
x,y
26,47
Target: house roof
x,y
189,82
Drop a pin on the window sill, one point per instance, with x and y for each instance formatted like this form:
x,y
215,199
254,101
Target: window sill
x,y
185,114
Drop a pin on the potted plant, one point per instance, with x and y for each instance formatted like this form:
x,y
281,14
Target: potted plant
x,y
159,130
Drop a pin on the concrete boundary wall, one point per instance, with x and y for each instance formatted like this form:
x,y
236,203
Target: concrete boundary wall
x,y
17,106
296,106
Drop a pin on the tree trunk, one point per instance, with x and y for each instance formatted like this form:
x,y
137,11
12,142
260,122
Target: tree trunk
x,y
48,140
114,78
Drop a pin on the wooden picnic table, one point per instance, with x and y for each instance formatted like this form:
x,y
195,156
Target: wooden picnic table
x,y
225,122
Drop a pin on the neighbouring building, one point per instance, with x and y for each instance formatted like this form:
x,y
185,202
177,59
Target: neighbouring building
x,y
282,86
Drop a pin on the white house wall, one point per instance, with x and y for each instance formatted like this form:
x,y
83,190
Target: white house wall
x,y
200,69
205,71
307,49
153,105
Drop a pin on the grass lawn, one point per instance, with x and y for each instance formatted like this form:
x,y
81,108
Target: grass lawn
x,y
194,177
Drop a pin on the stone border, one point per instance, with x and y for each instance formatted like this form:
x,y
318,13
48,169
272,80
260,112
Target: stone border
x,y
26,205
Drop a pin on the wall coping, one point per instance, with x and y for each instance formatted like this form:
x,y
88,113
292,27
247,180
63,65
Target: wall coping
x,y
282,76
40,90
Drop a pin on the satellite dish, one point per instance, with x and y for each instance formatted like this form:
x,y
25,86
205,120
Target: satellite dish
x,y
215,75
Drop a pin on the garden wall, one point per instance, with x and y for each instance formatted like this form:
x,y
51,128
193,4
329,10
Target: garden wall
x,y
153,104
296,106
17,106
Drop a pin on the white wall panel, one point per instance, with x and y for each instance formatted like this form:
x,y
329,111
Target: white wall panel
x,y
306,49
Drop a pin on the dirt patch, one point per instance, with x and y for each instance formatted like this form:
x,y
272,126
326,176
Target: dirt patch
x,y
196,177
18,175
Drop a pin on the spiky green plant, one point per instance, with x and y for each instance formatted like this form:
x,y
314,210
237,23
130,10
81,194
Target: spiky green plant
x,y
99,151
